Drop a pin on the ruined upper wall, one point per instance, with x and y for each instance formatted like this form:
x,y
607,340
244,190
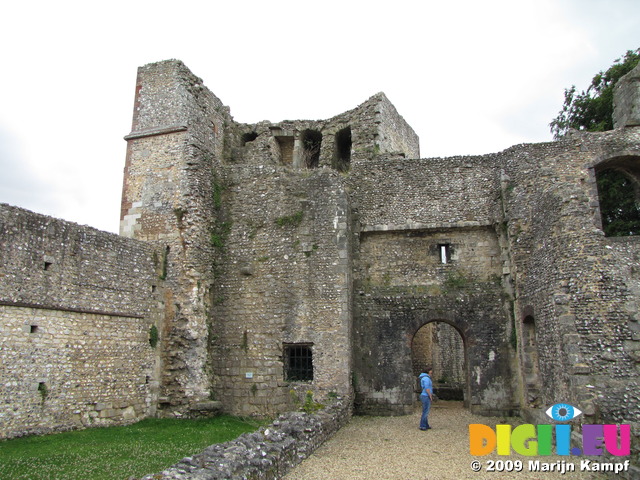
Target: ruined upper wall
x,y
395,135
53,263
405,194
167,96
371,129
626,100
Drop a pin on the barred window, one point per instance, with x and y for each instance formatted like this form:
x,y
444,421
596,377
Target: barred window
x,y
298,362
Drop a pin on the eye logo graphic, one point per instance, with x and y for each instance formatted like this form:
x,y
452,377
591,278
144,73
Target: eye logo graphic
x,y
563,412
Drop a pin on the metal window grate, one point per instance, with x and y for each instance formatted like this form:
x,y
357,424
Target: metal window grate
x,y
298,363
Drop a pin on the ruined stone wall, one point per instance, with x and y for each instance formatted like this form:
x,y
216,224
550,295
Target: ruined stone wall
x,y
267,454
177,141
402,194
406,213
190,182
375,128
577,285
284,279
395,135
626,100
76,310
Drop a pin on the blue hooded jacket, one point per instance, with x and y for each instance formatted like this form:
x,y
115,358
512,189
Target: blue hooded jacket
x,y
425,384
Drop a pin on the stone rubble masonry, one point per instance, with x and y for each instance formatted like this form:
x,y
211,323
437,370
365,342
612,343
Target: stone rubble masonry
x,y
168,201
239,240
284,279
240,282
264,455
76,308
626,100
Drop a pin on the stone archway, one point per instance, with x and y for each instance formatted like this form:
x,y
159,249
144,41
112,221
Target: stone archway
x,y
384,329
441,346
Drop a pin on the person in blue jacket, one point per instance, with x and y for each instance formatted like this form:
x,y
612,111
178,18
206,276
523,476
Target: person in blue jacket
x,y
426,397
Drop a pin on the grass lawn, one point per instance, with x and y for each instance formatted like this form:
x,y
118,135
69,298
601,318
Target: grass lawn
x,y
115,453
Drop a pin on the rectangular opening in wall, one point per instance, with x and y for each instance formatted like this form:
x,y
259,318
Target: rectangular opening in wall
x,y
298,362
342,155
33,328
286,149
47,265
444,250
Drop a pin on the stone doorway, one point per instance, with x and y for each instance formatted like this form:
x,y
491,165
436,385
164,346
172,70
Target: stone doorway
x,y
440,346
384,330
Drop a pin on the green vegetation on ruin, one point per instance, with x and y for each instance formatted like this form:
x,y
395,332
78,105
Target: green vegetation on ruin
x,y
290,220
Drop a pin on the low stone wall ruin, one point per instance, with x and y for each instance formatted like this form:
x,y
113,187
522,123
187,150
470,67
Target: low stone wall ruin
x,y
264,455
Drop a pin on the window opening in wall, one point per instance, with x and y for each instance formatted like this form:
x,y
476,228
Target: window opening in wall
x,y
165,263
33,328
248,137
298,363
311,141
530,358
445,253
619,195
43,390
285,144
342,158
47,265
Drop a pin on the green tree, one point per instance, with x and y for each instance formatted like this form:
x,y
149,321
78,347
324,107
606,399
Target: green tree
x,y
619,205
592,110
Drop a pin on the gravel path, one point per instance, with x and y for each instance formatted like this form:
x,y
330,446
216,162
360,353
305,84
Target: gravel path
x,y
389,448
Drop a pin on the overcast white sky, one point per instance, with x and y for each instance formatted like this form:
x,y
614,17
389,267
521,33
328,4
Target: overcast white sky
x,y
470,76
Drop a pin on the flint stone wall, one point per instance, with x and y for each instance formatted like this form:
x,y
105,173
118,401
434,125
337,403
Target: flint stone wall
x,y
76,307
264,455
626,100
284,279
404,211
579,286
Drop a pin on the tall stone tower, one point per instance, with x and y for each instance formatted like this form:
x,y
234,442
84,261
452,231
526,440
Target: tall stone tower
x,y
251,229
176,140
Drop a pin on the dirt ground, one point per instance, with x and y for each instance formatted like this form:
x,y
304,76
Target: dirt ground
x,y
389,448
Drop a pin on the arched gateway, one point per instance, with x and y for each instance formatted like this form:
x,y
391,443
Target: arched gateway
x,y
440,347
384,380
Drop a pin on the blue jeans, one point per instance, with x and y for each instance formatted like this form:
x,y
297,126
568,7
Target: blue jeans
x,y
426,406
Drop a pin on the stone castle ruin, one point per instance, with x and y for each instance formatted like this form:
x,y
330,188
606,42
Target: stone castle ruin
x,y
259,262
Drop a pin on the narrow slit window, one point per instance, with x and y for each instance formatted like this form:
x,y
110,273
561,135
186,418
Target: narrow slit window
x,y
298,363
445,253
